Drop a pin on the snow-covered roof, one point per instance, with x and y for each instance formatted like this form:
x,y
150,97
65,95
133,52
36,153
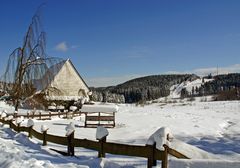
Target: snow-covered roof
x,y
99,108
50,75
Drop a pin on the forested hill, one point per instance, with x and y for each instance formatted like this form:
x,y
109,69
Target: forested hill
x,y
140,89
225,85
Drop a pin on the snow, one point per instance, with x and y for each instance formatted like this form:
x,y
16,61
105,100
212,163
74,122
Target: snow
x,y
190,151
3,115
67,98
44,128
175,90
60,107
19,120
160,137
207,132
30,123
202,163
101,132
51,107
70,128
73,108
99,108
10,117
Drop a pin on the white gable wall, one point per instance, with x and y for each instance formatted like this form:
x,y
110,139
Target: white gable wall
x,y
68,81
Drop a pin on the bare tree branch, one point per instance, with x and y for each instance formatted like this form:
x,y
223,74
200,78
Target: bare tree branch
x,y
29,63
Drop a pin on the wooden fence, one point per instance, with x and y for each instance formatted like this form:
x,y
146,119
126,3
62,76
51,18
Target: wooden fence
x,y
149,151
47,116
94,119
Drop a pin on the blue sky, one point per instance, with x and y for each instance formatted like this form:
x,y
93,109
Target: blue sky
x,y
111,41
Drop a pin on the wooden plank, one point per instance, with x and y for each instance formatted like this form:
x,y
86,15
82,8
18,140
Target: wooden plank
x,y
37,135
100,118
96,125
122,149
158,155
56,139
177,154
23,129
85,143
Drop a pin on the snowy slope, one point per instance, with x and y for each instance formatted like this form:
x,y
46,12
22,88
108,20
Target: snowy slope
x,y
208,131
175,90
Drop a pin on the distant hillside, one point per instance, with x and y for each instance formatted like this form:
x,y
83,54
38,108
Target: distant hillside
x,y
224,87
227,87
140,89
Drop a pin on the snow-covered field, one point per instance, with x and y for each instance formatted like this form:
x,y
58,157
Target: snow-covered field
x,y
211,126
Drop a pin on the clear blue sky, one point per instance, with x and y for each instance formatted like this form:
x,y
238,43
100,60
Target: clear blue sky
x,y
111,39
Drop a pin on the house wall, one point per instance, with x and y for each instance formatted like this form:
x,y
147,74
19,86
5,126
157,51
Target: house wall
x,y
68,82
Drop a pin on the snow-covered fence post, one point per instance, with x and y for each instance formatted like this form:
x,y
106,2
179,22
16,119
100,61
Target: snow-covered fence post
x,y
70,138
101,136
160,139
44,129
33,114
10,119
15,114
4,114
151,158
165,157
18,122
30,125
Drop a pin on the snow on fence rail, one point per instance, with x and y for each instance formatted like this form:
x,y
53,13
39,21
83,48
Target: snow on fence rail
x,y
148,151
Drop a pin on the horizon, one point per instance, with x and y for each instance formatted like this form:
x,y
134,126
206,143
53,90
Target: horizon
x,y
111,42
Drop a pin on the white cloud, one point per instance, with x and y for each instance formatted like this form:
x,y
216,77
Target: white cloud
x,y
112,81
217,70
62,46
213,70
75,46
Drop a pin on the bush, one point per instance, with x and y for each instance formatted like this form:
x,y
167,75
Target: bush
x,y
228,95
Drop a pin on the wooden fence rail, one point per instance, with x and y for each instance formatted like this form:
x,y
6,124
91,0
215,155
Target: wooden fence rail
x,y
42,116
149,151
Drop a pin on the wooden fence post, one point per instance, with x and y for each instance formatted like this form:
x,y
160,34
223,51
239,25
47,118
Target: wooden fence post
x,y
85,122
10,123
18,127
98,118
27,115
70,140
151,158
44,138
40,117
30,131
101,152
165,160
15,114
113,119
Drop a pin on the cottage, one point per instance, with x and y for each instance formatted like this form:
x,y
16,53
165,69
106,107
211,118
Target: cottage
x,y
63,82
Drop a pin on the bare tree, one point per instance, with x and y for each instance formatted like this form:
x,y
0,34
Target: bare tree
x,y
28,64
